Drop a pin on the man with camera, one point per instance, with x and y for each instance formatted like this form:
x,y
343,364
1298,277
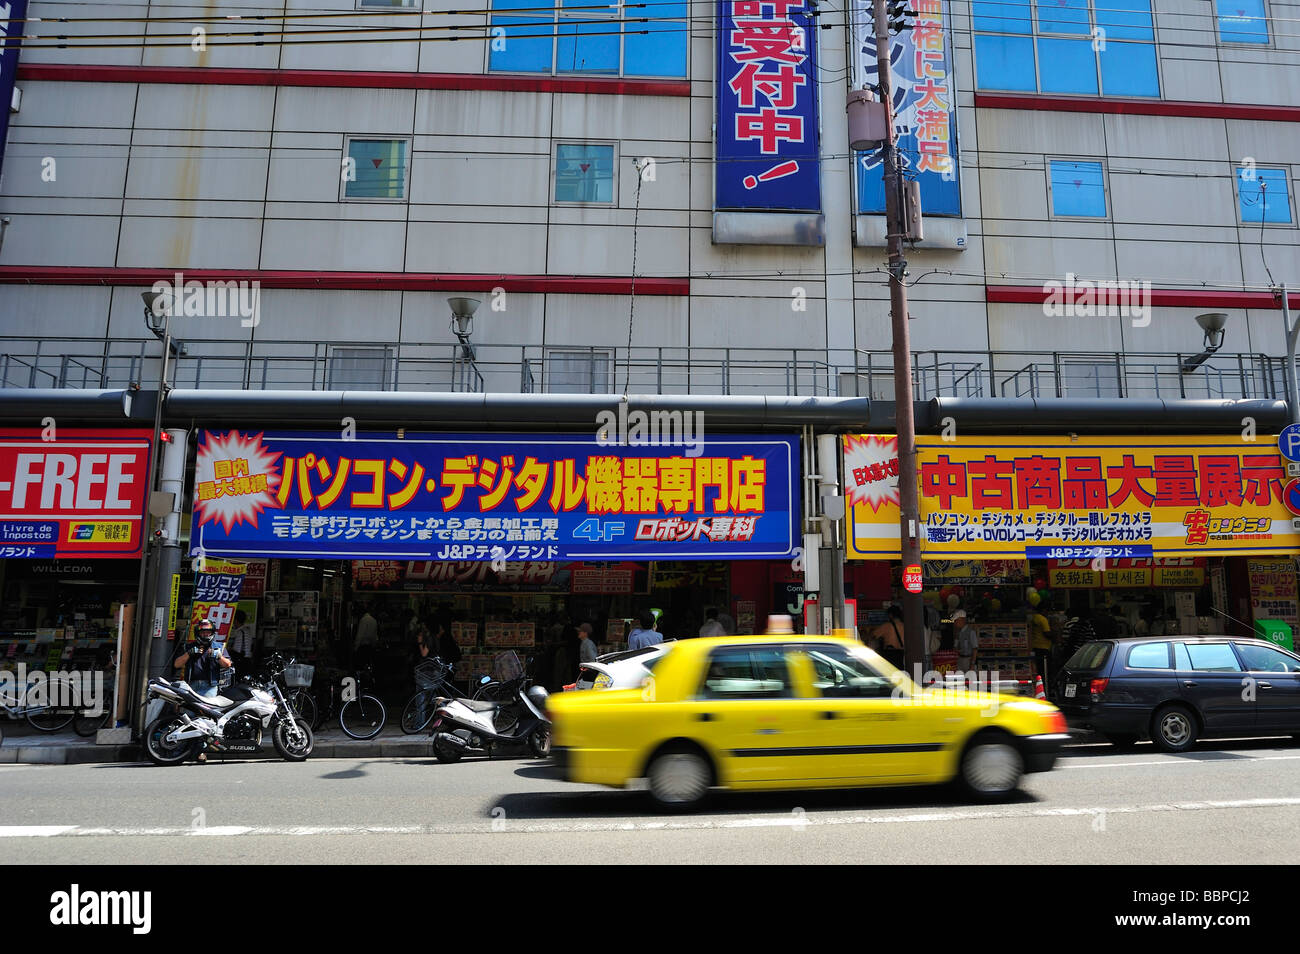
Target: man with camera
x,y
203,663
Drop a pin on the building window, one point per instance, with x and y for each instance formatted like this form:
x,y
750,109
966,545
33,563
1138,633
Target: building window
x,y
381,4
1242,21
1078,189
1263,196
589,37
573,371
360,369
1089,47
377,168
584,172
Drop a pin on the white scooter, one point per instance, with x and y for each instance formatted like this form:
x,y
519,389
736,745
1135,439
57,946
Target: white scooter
x,y
469,725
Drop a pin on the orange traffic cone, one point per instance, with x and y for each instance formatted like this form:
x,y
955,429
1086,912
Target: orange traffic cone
x,y
1038,688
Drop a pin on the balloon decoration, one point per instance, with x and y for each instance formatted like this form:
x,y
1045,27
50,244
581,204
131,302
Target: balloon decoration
x,y
1040,583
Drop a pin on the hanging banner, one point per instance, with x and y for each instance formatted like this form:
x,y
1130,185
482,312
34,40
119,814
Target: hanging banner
x,y
767,143
218,585
73,493
13,14
1067,499
498,498
925,107
989,572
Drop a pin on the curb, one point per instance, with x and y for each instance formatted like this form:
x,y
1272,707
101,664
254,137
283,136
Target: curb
x,y
99,754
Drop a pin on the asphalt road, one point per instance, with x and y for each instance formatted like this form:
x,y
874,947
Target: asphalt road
x,y
1230,803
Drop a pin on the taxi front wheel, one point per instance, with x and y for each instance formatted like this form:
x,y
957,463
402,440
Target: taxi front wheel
x,y
991,767
679,779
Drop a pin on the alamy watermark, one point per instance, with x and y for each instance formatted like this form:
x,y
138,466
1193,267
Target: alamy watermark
x,y
1101,299
209,299
76,689
624,428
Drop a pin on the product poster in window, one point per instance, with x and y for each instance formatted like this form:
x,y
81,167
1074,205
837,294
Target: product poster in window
x,y
767,142
925,107
498,498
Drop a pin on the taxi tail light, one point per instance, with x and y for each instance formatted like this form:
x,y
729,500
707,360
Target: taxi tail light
x,y
1096,687
1056,723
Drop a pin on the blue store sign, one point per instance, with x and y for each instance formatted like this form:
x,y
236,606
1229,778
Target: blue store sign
x,y
498,497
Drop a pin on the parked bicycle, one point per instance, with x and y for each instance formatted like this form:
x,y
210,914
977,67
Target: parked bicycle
x,y
25,703
361,715
432,680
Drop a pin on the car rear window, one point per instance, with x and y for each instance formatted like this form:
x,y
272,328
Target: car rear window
x,y
1090,656
746,672
1148,656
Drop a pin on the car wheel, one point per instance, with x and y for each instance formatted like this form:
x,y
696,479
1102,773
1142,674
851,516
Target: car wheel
x,y
1122,740
1173,728
991,767
679,779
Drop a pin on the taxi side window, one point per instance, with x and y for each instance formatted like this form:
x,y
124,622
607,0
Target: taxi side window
x,y
746,672
838,674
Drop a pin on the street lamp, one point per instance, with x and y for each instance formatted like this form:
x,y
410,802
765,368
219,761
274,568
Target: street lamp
x,y
1289,369
1212,324
462,326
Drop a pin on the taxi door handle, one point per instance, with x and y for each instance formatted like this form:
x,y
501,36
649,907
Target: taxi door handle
x,y
828,715
705,716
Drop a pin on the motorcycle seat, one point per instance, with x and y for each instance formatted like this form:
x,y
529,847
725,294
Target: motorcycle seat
x,y
480,705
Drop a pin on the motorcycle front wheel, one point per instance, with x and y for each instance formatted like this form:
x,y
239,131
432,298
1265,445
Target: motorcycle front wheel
x,y
293,746
159,752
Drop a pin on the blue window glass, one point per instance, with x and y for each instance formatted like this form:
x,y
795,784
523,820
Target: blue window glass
x,y
1242,21
1067,66
1129,69
1005,62
1011,16
1063,16
1125,19
660,51
1265,197
584,172
1078,189
526,46
587,47
380,166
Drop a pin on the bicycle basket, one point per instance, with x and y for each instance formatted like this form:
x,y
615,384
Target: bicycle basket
x,y
429,674
299,675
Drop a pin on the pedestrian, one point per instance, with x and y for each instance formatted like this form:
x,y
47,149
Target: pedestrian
x,y
645,634
587,647
203,663
1041,638
728,624
968,642
444,645
711,625
366,641
242,643
888,637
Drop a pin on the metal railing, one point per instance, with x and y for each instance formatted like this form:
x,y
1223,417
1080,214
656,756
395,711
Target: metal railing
x,y
357,365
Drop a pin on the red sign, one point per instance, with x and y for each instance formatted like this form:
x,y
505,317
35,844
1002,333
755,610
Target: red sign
x,y
73,493
1291,495
912,578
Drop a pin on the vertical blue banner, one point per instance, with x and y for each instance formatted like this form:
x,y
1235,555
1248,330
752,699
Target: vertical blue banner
x,y
767,156
12,13
925,108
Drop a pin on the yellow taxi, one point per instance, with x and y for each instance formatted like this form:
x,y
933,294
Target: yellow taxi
x,y
787,712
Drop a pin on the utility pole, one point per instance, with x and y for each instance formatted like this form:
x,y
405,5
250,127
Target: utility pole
x,y
909,508
1291,373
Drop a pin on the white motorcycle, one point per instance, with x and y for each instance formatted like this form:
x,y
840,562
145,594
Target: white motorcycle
x,y
230,723
470,725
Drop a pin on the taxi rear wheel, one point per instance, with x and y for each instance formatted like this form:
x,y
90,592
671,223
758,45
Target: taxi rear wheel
x,y
991,767
679,779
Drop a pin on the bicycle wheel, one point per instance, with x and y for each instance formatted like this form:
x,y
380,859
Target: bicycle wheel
x,y
88,725
49,718
418,711
301,702
488,691
363,717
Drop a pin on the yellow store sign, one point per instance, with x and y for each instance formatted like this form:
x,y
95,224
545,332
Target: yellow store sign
x,y
1067,499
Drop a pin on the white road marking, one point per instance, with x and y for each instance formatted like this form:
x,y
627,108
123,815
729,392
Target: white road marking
x,y
1177,761
564,827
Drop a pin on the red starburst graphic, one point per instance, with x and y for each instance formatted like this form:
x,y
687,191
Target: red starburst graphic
x,y
871,470
235,479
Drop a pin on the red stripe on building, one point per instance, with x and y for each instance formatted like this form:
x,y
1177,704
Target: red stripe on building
x,y
1137,107
1161,297
356,281
347,79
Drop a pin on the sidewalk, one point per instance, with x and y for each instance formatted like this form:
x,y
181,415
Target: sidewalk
x,y
22,743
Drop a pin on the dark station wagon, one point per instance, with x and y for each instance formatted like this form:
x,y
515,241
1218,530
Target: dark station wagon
x,y
1176,689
